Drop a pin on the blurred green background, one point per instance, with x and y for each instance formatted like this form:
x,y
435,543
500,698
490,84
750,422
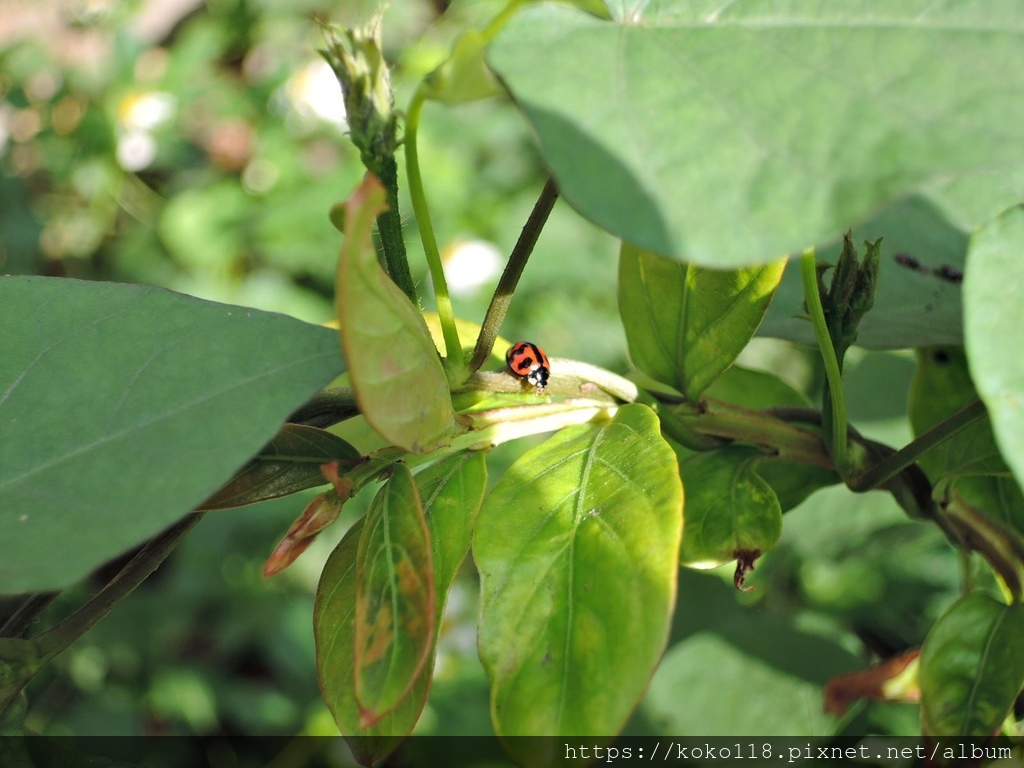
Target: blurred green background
x,y
199,146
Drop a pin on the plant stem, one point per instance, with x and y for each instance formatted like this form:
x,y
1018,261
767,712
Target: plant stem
x,y
513,271
877,475
389,227
148,559
836,428
445,313
19,622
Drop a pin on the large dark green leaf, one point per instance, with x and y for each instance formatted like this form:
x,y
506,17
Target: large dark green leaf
x,y
577,548
451,491
993,322
123,407
972,667
729,134
394,367
686,324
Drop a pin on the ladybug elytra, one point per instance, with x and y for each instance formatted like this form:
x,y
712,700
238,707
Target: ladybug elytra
x,y
528,361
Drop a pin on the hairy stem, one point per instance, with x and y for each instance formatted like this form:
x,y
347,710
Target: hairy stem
x,y
389,227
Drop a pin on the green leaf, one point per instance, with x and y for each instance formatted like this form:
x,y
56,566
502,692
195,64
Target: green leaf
x,y
686,324
791,481
451,491
731,512
123,407
969,460
394,598
755,389
972,667
464,76
287,464
394,367
993,319
917,296
736,688
577,548
732,134
941,387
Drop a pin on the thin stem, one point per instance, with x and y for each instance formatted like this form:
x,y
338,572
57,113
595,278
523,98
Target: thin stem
x,y
389,227
893,464
513,271
836,430
445,313
19,621
148,559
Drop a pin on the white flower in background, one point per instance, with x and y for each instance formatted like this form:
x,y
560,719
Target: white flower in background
x,y
145,111
314,92
135,150
138,115
469,264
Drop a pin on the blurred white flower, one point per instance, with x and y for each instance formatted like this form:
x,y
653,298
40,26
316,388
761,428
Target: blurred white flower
x,y
314,92
137,115
145,111
135,150
469,264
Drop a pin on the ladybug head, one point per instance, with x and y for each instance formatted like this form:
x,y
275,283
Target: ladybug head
x,y
538,377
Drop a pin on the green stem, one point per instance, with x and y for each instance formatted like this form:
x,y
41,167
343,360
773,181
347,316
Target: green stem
x,y
19,621
782,439
888,467
446,315
510,277
836,428
148,559
389,227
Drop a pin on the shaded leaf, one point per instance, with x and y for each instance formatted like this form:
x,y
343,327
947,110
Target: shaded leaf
x,y
393,365
993,320
686,324
731,689
394,598
123,407
732,134
917,296
287,464
972,667
577,547
970,459
463,77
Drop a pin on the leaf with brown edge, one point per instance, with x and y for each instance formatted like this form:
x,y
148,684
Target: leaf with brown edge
x,y
394,367
894,679
451,491
394,618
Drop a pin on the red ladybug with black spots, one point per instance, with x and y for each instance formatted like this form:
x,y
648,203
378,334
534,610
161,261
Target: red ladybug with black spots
x,y
528,361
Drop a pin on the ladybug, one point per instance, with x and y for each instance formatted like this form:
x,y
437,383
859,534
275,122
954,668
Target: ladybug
x,y
528,361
